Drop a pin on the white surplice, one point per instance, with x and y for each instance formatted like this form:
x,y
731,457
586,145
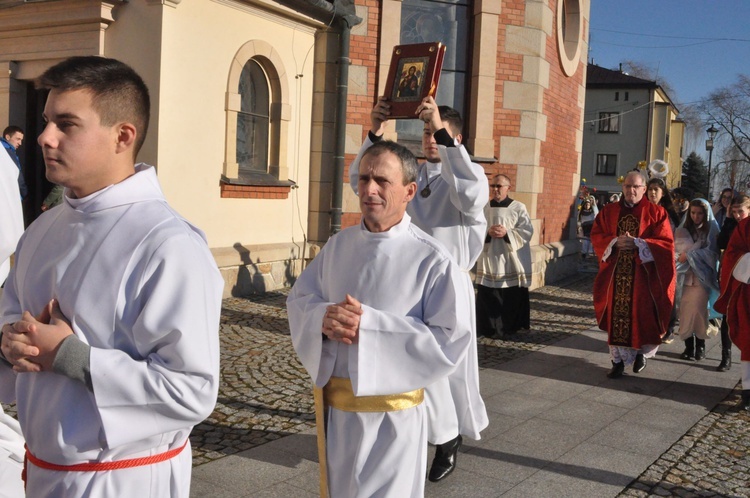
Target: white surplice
x,y
507,263
453,214
11,221
11,457
412,333
140,287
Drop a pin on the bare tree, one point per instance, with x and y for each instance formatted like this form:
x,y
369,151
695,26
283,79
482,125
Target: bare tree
x,y
646,72
732,171
728,108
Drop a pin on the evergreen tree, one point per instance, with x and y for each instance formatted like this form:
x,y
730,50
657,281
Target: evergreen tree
x,y
694,175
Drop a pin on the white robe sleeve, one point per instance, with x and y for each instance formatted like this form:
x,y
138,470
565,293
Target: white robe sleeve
x,y
741,270
521,234
608,250
644,252
176,332
469,190
10,312
402,353
306,309
11,221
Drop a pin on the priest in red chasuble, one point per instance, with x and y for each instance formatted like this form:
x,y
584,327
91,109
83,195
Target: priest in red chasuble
x,y
634,289
734,301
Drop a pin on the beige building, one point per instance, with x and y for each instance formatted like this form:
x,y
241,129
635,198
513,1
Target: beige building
x,y
231,84
258,106
628,121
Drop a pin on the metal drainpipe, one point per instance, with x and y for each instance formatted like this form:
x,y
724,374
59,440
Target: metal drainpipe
x,y
342,87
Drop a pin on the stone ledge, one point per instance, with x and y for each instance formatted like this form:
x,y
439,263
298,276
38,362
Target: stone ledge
x,y
260,268
554,261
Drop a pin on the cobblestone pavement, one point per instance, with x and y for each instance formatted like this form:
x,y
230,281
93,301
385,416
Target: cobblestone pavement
x,y
265,393
712,459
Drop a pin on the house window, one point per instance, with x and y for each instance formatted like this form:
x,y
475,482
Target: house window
x,y
627,96
257,121
609,122
424,21
606,164
617,95
253,119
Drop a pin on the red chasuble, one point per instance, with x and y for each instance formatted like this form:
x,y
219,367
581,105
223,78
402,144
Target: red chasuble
x,y
734,301
633,300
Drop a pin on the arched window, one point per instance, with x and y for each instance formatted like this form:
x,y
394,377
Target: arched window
x,y
257,120
253,119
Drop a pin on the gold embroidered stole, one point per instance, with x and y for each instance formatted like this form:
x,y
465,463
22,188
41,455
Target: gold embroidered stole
x,y
622,316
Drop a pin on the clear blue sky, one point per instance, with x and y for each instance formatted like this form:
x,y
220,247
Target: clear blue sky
x,y
686,41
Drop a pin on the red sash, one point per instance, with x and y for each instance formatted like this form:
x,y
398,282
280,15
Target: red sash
x,y
101,466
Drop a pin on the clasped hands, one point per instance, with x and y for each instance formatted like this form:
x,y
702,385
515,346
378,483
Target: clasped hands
x,y
31,343
625,242
341,321
497,231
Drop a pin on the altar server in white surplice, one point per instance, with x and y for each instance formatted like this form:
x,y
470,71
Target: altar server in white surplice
x,y
378,315
111,313
449,205
11,221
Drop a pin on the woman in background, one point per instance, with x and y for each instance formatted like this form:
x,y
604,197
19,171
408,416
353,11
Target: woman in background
x,y
697,284
586,217
658,194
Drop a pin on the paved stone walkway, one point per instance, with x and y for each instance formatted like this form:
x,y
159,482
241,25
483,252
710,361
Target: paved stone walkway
x,y
712,459
265,393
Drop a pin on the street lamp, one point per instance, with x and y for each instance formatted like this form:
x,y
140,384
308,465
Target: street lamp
x,y
710,148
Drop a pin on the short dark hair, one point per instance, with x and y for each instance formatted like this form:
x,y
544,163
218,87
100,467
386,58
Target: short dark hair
x,y
118,92
683,192
452,117
406,158
12,130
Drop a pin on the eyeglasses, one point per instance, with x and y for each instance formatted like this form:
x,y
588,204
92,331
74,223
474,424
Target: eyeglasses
x,y
627,185
498,186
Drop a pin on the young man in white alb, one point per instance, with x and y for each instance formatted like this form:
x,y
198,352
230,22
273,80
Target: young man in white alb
x,y
110,316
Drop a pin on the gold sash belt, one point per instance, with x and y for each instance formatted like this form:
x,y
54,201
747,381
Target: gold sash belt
x,y
338,394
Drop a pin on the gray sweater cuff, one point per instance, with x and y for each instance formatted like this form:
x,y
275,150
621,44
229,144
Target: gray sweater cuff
x,y
2,356
73,360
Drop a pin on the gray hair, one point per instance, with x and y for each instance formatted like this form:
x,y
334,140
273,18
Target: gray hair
x,y
405,157
637,172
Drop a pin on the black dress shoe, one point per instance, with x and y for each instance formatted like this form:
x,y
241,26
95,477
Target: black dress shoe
x,y
640,363
617,370
445,459
745,403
